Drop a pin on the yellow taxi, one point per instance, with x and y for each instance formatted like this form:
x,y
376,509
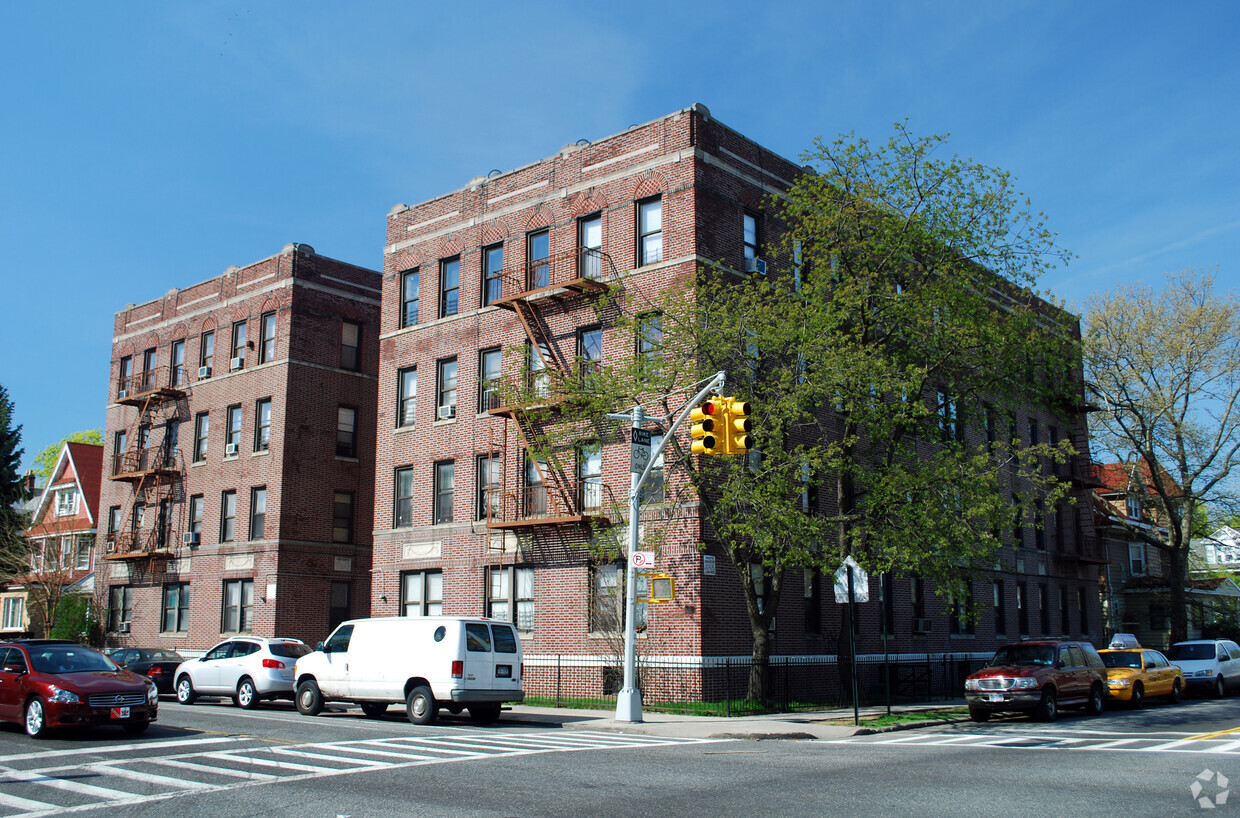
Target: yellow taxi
x,y
1134,673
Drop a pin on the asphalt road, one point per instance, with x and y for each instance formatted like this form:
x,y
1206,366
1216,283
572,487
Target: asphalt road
x,y
216,760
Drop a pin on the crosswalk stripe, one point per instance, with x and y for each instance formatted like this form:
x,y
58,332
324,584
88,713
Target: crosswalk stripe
x,y
327,756
149,778
206,768
125,748
69,786
266,762
27,804
1170,745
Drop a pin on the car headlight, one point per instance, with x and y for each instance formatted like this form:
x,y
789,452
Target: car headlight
x,y
1202,673
152,695
59,694
1024,683
1119,682
971,684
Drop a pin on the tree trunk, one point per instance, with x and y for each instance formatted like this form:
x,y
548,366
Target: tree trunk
x,y
1177,581
761,661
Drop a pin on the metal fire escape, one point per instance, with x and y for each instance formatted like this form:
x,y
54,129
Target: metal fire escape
x,y
548,496
1079,472
155,472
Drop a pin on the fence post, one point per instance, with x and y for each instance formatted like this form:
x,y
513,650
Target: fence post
x,y
787,686
727,686
557,679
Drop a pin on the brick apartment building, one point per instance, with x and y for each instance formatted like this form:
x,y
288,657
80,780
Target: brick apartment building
x,y
239,456
465,522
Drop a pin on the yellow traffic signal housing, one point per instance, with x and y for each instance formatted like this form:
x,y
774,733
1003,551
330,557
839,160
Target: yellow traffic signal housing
x,y
706,425
737,438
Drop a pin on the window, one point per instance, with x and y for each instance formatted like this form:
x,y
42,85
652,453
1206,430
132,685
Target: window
x,y
446,402
119,443
988,415
510,595
406,396
1044,609
490,364
267,346
206,353
124,376
232,431
258,512
1136,559
228,515
238,605
409,298
489,499
66,551
1000,602
962,611
607,600
202,430
176,608
1065,627
262,425
590,475
811,586
346,431
540,378
195,514
1033,431
13,609
66,502
809,491
238,346
750,238
535,493
449,287
590,352
653,490
148,370
1039,526
649,335
917,597
172,442
342,517
338,606
590,247
538,269
649,231
350,345
950,428
1132,507
114,520
403,505
1022,608
81,557
443,491
120,607
421,593
492,274
178,363
1082,602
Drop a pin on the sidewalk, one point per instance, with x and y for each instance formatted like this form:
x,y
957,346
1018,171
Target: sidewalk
x,y
820,724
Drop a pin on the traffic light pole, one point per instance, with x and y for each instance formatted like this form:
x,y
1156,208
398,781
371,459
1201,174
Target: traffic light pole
x,y
629,701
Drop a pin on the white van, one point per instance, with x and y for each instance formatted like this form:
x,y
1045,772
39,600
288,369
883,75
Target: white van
x,y
423,662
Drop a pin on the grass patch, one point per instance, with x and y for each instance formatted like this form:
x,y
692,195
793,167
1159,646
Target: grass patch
x,y
737,707
909,717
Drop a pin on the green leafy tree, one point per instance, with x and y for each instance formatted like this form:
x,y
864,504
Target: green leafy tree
x,y
45,461
880,334
12,488
1164,367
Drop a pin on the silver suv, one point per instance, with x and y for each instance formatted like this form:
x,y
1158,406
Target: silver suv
x,y
1209,665
246,668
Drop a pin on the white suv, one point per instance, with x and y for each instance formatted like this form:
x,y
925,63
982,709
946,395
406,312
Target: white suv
x,y
1211,665
246,668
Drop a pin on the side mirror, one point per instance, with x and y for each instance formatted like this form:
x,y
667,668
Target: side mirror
x,y
14,669
325,648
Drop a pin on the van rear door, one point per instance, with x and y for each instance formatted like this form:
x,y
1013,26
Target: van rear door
x,y
507,658
479,661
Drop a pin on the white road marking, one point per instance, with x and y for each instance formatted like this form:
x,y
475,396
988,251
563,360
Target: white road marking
x,y
149,778
26,804
68,786
207,768
146,747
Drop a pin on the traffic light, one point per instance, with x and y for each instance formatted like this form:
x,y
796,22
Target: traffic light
x,y
706,424
736,426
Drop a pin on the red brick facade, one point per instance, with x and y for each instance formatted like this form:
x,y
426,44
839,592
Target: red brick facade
x,y
166,570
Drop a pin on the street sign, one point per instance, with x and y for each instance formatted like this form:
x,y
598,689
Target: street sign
x,y
639,452
642,559
861,582
659,588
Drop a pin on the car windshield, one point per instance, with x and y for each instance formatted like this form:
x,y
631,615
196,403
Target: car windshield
x,y
1122,660
290,650
69,659
1024,655
1200,651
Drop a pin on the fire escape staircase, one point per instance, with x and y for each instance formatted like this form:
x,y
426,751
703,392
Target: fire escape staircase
x,y
1079,472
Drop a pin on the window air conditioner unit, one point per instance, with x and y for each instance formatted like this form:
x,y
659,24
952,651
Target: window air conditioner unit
x,y
111,547
204,372
123,627
191,537
121,395
921,626
230,450
236,363
447,412
755,265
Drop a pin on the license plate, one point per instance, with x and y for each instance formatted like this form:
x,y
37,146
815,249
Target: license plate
x,y
120,712
503,671
995,697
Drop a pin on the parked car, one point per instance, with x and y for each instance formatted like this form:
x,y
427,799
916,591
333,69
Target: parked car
x,y
422,662
246,668
49,683
1038,677
1134,673
1209,665
156,664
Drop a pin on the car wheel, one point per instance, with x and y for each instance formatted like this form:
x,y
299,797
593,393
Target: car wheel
x,y
978,714
135,727
36,721
185,691
1094,705
421,706
1048,707
309,698
1177,692
247,696
1220,687
486,713
374,710
1138,695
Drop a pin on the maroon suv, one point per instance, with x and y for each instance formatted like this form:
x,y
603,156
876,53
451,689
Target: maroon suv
x,y
1038,677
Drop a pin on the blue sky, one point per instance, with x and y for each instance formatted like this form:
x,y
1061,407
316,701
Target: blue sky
x,y
150,145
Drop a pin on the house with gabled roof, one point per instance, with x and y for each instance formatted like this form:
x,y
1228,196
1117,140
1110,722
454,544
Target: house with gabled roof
x,y
61,541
